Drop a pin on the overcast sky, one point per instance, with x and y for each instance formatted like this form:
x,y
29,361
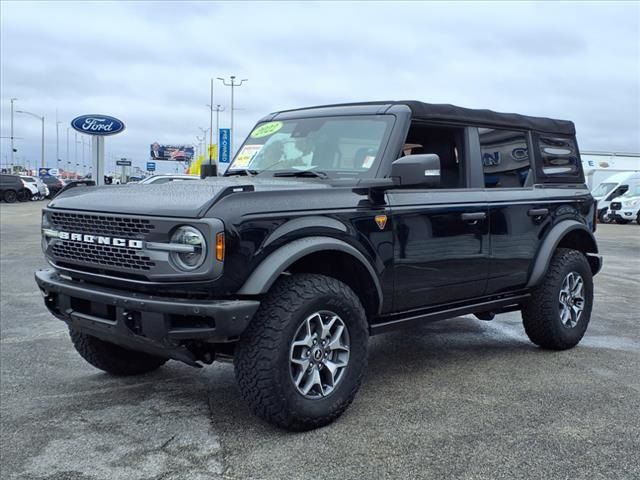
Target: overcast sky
x,y
149,64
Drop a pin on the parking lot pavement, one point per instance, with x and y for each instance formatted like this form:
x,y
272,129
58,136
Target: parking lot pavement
x,y
460,399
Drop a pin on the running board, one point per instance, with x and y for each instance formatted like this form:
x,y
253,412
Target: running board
x,y
411,319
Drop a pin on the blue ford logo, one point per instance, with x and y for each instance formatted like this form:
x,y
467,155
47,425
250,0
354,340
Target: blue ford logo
x,y
97,124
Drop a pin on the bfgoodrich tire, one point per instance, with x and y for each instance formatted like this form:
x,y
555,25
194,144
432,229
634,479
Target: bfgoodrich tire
x,y
558,312
112,358
300,362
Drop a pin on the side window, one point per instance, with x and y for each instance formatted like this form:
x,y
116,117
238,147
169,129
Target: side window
x,y
559,156
447,143
505,158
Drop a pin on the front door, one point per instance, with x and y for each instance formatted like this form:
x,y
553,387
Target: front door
x,y
441,245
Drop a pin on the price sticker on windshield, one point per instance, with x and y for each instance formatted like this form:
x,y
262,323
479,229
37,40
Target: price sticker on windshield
x,y
244,158
266,129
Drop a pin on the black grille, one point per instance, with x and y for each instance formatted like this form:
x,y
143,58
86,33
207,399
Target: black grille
x,y
106,255
100,224
616,206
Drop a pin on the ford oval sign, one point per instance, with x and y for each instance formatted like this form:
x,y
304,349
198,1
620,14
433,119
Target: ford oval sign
x,y
97,124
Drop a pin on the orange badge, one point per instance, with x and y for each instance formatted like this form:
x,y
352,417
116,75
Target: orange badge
x,y
381,220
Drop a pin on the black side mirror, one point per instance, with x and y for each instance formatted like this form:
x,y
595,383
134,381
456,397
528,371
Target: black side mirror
x,y
422,170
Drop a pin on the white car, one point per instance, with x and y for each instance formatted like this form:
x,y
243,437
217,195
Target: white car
x,y
158,179
626,208
39,190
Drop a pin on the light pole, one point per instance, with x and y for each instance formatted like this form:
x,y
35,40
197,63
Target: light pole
x,y
68,160
58,144
12,147
232,83
41,118
75,153
211,124
204,139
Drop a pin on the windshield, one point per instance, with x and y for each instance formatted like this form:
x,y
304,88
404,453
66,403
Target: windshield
x,y
336,146
634,191
603,189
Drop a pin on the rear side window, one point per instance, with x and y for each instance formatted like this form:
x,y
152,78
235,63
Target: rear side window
x,y
505,158
559,159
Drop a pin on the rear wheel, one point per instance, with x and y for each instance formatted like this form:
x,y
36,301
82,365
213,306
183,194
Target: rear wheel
x,y
10,196
558,312
301,360
112,358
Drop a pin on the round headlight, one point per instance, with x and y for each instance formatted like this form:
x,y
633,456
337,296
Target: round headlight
x,y
195,248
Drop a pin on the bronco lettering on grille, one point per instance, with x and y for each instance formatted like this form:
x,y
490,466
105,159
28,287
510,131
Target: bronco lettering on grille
x,y
100,240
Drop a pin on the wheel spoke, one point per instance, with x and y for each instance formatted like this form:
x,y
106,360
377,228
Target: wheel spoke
x,y
313,379
326,328
336,340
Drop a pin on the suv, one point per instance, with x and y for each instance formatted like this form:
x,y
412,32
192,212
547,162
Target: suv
x,y
12,188
331,224
54,184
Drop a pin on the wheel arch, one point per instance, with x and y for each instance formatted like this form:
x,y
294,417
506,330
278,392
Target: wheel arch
x,y
566,234
322,255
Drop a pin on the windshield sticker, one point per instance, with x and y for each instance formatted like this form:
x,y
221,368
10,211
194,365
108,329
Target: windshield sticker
x,y
244,158
368,161
266,129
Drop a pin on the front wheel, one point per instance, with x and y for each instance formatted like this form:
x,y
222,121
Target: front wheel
x,y
603,217
558,312
112,358
621,221
300,362
638,218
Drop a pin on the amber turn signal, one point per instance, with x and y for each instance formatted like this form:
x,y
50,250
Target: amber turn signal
x,y
220,246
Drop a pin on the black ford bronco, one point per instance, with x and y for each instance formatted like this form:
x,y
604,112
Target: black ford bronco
x,y
332,223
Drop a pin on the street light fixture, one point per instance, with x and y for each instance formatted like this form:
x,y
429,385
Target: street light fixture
x,y
41,118
232,83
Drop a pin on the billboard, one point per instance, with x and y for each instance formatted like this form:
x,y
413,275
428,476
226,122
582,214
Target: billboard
x,y
177,153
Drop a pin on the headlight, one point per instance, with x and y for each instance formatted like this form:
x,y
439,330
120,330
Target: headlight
x,y
633,203
195,248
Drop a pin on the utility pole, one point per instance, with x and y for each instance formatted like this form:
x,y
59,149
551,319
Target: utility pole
x,y
57,141
12,147
41,118
232,83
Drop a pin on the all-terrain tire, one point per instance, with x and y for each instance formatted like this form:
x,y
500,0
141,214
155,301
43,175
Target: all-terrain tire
x,y
10,196
262,356
112,358
541,313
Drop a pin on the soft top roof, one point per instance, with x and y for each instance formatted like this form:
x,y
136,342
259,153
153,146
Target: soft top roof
x,y
480,117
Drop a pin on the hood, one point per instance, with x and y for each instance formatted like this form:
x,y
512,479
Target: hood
x,y
174,199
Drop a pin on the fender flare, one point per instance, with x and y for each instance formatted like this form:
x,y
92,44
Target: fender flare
x,y
266,273
549,245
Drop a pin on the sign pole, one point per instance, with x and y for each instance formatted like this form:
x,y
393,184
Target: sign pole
x,y
97,150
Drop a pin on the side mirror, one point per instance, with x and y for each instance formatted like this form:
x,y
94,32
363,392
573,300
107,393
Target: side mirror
x,y
422,170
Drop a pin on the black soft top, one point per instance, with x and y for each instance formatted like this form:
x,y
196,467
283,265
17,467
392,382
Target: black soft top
x,y
480,117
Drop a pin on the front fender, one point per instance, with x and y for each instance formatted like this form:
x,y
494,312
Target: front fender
x,y
264,276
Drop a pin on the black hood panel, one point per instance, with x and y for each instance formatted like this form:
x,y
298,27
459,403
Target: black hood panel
x,y
187,199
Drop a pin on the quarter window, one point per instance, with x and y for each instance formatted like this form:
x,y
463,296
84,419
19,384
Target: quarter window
x,y
559,156
505,158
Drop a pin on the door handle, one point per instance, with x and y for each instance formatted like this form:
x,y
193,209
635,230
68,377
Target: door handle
x,y
538,212
473,217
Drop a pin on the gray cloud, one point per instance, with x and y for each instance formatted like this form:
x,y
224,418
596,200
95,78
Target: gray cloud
x,y
149,63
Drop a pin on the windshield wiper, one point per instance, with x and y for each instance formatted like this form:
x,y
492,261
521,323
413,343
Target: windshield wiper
x,y
241,171
301,173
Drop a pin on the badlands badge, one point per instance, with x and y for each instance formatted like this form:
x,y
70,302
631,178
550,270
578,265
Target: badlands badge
x,y
381,221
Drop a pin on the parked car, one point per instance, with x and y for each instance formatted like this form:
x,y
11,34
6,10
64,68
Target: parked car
x,y
166,178
332,224
42,191
54,184
612,187
626,208
12,189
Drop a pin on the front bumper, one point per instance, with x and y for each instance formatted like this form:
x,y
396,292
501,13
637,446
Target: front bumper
x,y
623,214
156,325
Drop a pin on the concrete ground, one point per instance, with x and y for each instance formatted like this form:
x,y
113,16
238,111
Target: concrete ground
x,y
460,399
